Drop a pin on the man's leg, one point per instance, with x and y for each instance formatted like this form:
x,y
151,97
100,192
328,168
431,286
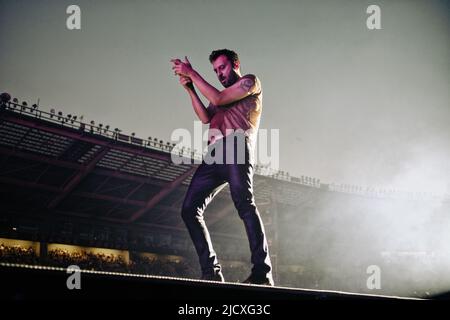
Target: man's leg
x,y
240,177
205,184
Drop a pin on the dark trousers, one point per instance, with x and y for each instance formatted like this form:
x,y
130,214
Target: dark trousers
x,y
207,181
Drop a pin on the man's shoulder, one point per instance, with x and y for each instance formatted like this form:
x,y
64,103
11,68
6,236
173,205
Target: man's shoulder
x,y
251,76
254,82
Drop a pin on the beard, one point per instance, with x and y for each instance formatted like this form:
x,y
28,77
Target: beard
x,y
224,82
230,80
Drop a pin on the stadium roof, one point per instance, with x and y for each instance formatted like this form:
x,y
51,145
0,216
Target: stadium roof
x,y
55,165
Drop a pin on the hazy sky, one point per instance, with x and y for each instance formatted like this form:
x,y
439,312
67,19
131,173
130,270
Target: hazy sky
x,y
353,105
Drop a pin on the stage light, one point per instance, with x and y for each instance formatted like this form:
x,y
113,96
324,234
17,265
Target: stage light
x,y
116,133
15,100
5,97
82,126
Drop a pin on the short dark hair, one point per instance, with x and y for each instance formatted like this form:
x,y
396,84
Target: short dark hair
x,y
230,54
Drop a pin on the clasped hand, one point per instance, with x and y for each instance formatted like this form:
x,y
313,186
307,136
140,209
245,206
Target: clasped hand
x,y
181,68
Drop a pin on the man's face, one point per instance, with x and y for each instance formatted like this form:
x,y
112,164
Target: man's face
x,y
224,70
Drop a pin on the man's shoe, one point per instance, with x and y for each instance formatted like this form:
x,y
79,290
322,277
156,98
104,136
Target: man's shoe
x,y
265,280
214,276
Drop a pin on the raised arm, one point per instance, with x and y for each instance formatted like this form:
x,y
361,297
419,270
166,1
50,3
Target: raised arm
x,y
197,104
242,88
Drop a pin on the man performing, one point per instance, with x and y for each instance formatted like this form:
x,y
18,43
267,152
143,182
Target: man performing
x,y
237,108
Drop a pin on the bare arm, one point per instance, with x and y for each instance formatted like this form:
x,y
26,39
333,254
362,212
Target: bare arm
x,y
197,104
242,88
199,107
239,90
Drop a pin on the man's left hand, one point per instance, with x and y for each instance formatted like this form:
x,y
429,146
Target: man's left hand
x,y
182,68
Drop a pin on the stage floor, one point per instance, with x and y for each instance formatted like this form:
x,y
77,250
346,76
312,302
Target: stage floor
x,y
29,282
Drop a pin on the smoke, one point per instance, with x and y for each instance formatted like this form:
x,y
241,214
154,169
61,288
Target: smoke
x,y
335,237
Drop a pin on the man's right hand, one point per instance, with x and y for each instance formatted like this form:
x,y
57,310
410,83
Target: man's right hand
x,y
186,82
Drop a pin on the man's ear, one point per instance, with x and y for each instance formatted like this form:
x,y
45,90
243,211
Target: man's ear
x,y
236,65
